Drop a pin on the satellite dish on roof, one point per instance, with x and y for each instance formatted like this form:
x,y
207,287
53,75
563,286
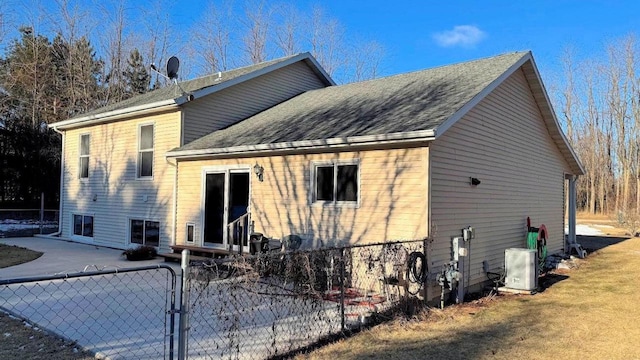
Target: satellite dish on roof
x,y
172,67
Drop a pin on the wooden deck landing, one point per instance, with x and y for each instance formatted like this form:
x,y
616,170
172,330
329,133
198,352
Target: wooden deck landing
x,y
197,253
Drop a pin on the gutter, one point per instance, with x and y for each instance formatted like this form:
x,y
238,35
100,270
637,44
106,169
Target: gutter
x,y
117,114
57,233
324,144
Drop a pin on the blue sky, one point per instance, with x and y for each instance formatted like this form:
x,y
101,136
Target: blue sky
x,y
410,30
423,34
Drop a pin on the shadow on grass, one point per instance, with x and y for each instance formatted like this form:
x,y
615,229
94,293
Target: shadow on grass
x,y
548,280
463,343
595,243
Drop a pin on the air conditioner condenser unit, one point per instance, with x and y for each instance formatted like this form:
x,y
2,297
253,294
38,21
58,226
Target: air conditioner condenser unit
x,y
520,269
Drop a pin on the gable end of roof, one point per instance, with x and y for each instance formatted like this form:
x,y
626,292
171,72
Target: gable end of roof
x,y
162,99
527,63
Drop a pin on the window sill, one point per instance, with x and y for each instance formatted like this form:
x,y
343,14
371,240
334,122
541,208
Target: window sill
x,y
337,204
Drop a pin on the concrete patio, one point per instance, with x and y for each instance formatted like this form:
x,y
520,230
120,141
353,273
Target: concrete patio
x,y
120,316
61,256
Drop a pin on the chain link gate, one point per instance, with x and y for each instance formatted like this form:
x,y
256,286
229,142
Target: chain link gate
x,y
118,314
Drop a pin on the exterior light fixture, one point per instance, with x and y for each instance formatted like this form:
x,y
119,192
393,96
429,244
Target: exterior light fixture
x,y
259,171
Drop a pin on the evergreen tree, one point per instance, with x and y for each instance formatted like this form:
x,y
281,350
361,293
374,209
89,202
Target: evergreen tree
x,y
29,99
77,73
136,75
27,76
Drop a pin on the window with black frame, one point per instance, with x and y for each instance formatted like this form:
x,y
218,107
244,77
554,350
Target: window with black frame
x,y
144,232
336,183
83,163
145,151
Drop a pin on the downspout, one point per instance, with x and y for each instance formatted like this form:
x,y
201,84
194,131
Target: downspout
x,y
57,233
428,290
572,210
175,181
573,245
175,198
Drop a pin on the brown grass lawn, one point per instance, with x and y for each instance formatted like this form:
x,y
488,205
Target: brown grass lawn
x,y
15,255
592,314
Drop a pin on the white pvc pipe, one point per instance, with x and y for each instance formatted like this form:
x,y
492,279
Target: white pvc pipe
x,y
572,210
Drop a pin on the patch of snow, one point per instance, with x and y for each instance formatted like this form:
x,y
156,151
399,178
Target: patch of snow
x,y
7,225
585,230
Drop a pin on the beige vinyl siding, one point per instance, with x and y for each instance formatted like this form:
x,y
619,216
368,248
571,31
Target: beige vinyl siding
x,y
392,202
503,142
119,194
238,102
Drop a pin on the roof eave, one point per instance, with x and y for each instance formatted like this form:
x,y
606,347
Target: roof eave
x,y
307,145
578,168
115,115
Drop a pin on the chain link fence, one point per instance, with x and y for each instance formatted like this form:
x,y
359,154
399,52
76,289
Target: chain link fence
x,y
273,305
117,314
27,222
270,305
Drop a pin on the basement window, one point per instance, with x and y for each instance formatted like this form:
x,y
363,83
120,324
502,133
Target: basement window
x,y
83,225
144,232
190,232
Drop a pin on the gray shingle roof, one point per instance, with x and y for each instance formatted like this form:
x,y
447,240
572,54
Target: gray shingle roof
x,y
173,92
408,102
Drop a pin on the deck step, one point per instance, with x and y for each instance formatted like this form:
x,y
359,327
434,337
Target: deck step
x,y
200,250
177,257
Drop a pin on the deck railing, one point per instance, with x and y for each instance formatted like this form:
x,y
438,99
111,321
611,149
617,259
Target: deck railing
x,y
238,232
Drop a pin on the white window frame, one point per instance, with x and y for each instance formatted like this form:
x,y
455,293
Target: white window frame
x,y
186,236
144,229
140,151
73,225
335,163
82,156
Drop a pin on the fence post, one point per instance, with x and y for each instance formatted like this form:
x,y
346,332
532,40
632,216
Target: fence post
x,y
342,280
183,331
41,212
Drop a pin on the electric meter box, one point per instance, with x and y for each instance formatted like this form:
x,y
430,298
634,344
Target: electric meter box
x,y
520,269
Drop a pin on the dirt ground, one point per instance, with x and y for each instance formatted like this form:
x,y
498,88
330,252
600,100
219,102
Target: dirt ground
x,y
21,340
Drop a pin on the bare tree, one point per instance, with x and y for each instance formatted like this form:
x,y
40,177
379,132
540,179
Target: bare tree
x,y
214,37
258,23
288,30
115,48
366,58
326,40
